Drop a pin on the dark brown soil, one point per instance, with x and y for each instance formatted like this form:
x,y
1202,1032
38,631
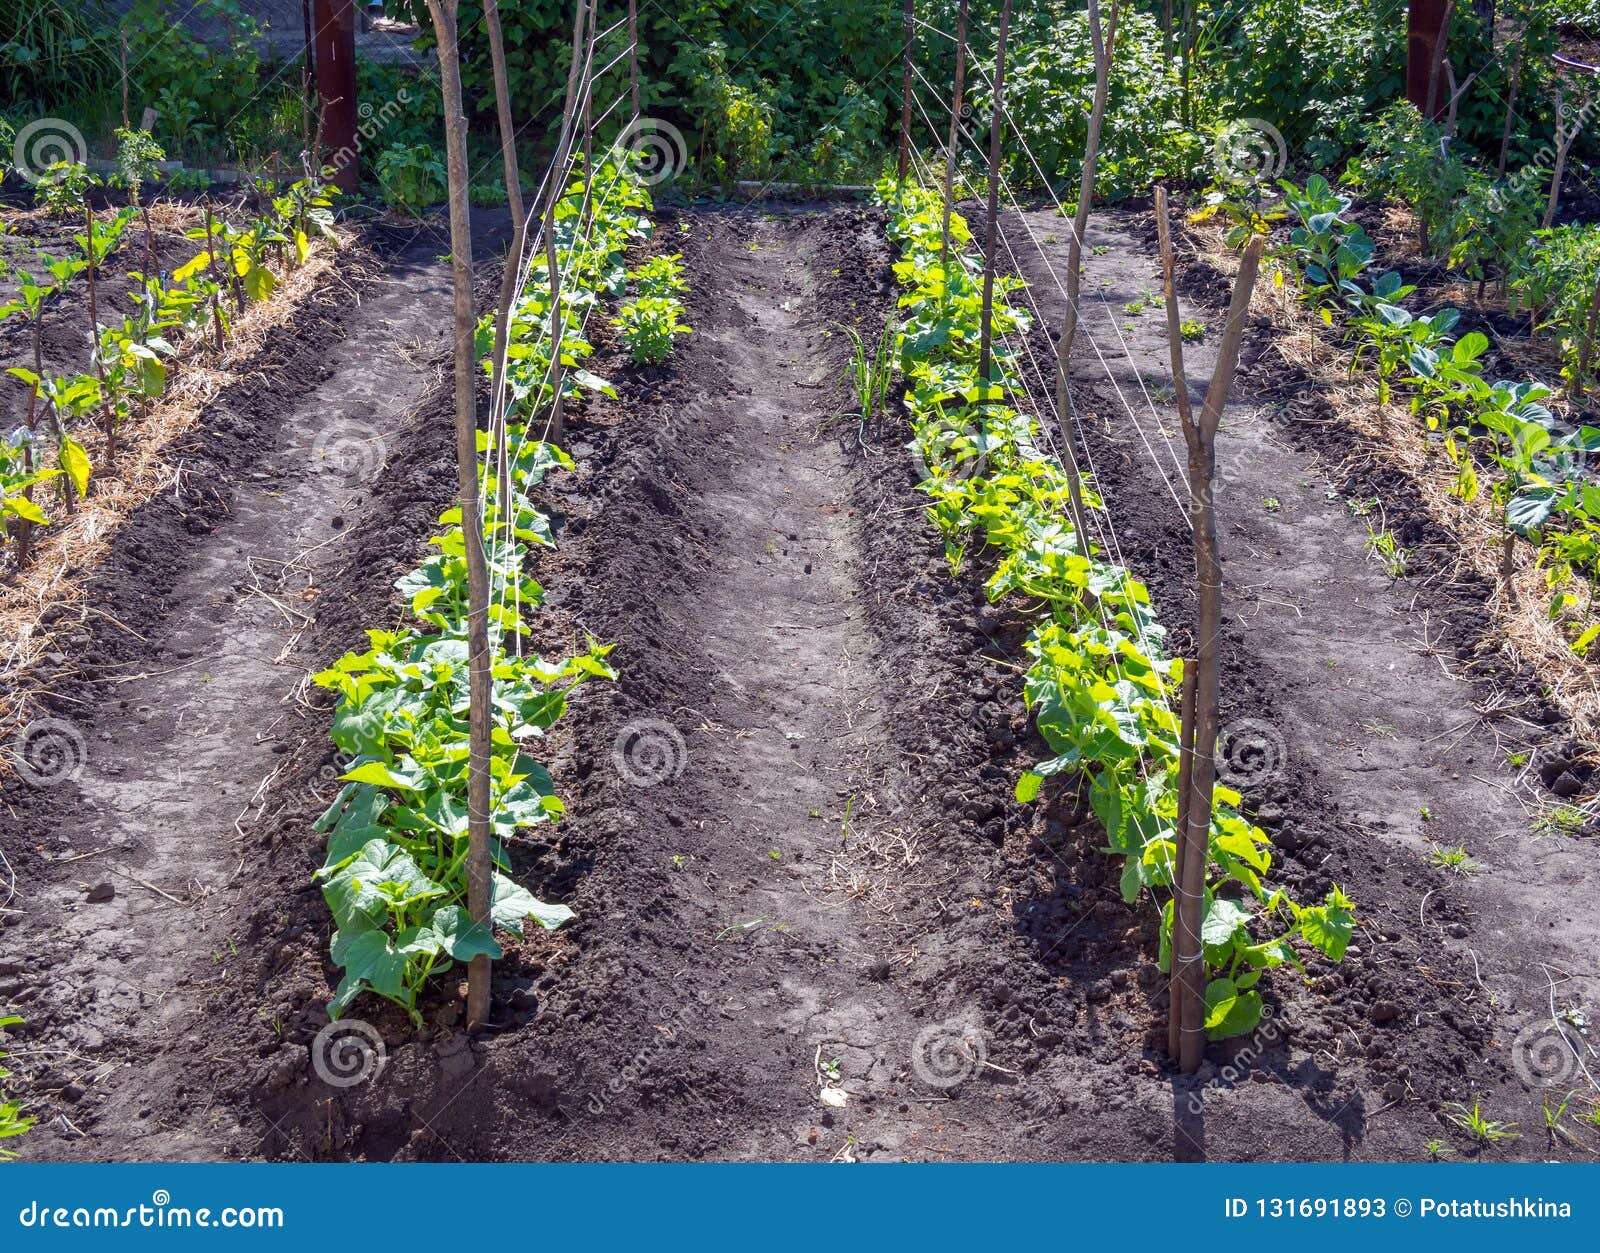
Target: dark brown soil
x,y
791,844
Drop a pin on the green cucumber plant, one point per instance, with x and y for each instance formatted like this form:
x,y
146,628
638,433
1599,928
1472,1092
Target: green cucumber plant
x,y
13,1122
1099,684
661,275
394,876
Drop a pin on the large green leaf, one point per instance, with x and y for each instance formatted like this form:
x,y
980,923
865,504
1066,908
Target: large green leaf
x,y
514,904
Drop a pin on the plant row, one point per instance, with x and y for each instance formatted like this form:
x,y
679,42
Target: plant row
x,y
1539,469
128,362
1100,687
397,833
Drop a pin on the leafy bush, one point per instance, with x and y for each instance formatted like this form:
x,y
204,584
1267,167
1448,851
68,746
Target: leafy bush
x,y
1556,285
411,177
1312,68
62,186
1050,88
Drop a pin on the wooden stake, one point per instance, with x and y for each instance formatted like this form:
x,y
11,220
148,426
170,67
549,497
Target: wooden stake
x,y
907,39
1565,137
1188,956
957,102
564,145
335,37
1102,41
307,92
996,130
1181,840
633,55
479,865
510,279
588,123
125,123
108,410
1516,37
1200,720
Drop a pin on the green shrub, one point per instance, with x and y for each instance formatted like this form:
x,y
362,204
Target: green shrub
x,y
1049,91
411,177
647,327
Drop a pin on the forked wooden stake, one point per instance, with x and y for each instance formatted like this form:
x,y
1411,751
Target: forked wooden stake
x,y
479,884
996,130
1200,435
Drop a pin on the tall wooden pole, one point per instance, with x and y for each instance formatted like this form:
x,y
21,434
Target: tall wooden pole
x,y
633,55
512,277
907,40
335,45
1103,41
996,131
1181,841
479,866
564,145
588,121
957,103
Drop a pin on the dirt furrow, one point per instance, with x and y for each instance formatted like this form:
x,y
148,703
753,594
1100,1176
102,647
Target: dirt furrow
x,y
1349,727
135,920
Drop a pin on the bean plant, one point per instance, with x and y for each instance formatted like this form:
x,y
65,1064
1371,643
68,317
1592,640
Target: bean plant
x,y
1100,685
